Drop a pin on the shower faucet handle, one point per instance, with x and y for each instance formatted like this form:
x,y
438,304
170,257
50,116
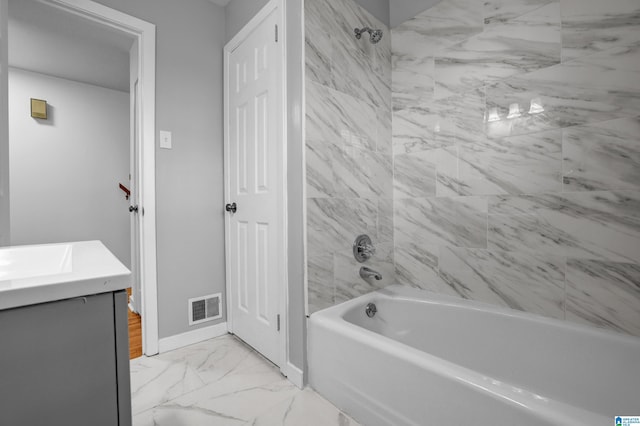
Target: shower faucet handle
x,y
363,248
367,249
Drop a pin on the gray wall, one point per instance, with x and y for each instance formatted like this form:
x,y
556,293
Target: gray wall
x,y
65,170
4,128
54,42
189,178
378,8
536,211
238,14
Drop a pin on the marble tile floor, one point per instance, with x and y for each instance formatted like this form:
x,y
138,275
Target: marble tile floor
x,y
222,381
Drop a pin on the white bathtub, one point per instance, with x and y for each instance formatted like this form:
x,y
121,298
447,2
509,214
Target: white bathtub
x,y
427,359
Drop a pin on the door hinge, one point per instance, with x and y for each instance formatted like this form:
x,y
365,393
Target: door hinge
x,y
278,321
276,33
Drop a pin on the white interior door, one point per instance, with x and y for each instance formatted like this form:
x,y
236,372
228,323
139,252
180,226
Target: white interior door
x,y
254,181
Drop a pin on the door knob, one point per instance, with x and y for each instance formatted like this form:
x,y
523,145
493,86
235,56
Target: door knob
x,y
133,209
231,207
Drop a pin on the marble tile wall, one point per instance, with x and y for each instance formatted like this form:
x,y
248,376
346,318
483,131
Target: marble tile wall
x,y
516,156
349,179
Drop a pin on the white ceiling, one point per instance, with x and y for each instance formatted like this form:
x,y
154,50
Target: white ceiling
x,y
220,2
47,40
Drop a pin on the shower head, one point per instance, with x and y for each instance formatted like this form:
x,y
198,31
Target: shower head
x,y
374,35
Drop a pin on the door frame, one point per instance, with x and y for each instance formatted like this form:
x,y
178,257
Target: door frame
x,y
283,303
145,33
5,216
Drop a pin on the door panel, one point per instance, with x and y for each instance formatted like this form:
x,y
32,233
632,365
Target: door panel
x,y
255,183
243,262
262,272
243,163
262,143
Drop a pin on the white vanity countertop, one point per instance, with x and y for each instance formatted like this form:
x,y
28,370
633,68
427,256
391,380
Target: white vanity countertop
x,y
47,272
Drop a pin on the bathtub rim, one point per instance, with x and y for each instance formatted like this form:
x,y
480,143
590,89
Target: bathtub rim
x,y
401,292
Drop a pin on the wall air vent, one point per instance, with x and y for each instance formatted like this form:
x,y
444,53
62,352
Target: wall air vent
x,y
206,308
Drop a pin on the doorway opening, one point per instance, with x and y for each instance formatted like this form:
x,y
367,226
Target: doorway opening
x,y
62,186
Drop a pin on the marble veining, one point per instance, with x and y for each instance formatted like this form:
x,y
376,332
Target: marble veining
x,y
221,381
586,90
331,17
361,173
333,223
321,292
443,25
505,10
417,266
242,402
337,118
516,155
527,282
600,204
493,142
413,81
304,408
350,66
602,156
460,117
384,143
385,220
460,221
154,382
415,175
525,164
414,130
319,156
318,50
604,294
590,225
216,359
348,283
349,148
519,45
590,26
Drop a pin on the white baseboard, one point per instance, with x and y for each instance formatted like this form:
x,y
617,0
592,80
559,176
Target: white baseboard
x,y
294,374
191,337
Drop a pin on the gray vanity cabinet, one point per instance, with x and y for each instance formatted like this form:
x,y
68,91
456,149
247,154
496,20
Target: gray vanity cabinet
x,y
66,363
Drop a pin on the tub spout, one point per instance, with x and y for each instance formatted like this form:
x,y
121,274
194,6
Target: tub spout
x,y
367,273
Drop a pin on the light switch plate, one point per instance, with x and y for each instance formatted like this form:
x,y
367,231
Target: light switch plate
x,y
165,139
